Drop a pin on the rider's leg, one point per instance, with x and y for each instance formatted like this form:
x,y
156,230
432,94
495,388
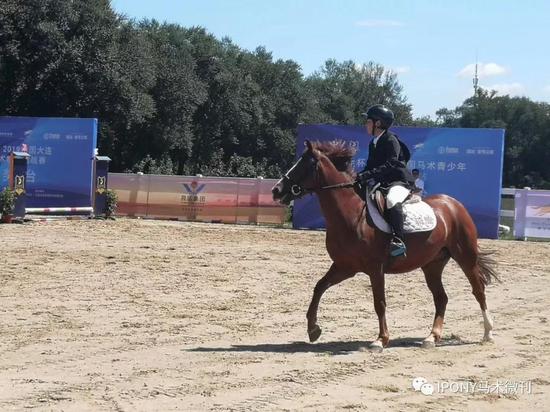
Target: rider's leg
x,y
396,220
396,195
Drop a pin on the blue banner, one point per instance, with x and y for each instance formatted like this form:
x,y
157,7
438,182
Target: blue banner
x,y
60,169
463,163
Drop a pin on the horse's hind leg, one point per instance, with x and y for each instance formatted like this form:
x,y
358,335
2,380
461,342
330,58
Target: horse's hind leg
x,y
334,276
478,282
478,273
433,272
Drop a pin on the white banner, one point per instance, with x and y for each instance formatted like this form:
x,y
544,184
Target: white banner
x,y
532,213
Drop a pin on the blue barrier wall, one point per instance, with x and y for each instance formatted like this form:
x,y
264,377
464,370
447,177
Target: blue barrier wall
x,y
60,169
463,163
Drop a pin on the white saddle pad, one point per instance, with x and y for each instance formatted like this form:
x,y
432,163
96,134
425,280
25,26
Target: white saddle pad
x,y
418,216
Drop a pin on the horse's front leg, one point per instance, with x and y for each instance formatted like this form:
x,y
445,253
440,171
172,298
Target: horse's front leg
x,y
379,295
334,276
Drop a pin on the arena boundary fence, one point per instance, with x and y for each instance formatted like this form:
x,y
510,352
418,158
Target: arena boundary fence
x,y
197,198
40,210
223,199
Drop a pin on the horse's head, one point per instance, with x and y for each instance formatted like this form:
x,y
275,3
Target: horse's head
x,y
299,178
318,162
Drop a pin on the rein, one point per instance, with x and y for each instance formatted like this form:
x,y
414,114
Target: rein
x,y
338,186
297,190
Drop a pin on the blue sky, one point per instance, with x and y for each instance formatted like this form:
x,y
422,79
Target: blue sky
x,y
432,45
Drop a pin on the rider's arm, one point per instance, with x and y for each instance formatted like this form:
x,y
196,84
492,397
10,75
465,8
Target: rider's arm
x,y
391,153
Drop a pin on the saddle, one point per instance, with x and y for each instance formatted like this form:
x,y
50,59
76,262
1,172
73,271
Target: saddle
x,y
418,216
379,200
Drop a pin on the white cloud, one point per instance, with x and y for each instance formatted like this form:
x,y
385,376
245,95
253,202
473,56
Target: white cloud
x,y
512,89
378,23
401,69
483,70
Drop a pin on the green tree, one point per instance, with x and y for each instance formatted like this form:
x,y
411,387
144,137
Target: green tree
x,y
74,58
57,56
177,92
527,139
345,90
171,99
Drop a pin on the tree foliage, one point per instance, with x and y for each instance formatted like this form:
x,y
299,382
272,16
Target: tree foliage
x,y
342,91
172,99
527,139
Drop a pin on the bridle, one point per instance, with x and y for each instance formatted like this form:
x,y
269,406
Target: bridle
x,y
297,190
294,175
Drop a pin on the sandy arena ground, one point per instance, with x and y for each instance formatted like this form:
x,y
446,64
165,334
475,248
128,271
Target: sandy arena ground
x,y
149,315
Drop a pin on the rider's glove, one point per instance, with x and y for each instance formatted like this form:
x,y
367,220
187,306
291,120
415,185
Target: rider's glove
x,y
371,183
363,177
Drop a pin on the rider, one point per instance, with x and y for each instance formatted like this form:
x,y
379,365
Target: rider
x,y
387,165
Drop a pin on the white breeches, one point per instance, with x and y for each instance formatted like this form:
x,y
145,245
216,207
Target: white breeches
x,y
396,194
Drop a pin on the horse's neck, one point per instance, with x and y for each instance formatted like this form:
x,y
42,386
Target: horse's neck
x,y
341,207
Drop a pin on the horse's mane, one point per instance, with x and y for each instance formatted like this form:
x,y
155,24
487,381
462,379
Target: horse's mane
x,y
339,153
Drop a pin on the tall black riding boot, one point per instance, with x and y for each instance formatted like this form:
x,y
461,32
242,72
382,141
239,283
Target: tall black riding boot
x,y
397,247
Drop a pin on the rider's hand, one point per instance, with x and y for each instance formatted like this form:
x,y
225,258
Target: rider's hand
x,y
363,178
371,183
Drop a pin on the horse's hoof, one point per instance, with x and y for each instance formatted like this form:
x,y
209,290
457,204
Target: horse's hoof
x,y
428,344
376,346
487,340
314,333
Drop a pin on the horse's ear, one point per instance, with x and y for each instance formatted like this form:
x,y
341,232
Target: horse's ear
x,y
308,145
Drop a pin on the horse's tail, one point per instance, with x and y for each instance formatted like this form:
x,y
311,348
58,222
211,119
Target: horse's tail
x,y
486,267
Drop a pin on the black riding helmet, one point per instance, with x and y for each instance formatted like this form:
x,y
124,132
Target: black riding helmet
x,y
382,113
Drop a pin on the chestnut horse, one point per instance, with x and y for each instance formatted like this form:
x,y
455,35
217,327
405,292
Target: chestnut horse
x,y
355,245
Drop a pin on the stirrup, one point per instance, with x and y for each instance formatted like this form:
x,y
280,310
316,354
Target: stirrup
x,y
397,247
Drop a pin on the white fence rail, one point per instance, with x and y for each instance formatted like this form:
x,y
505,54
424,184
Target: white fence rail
x,y
530,214
505,191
